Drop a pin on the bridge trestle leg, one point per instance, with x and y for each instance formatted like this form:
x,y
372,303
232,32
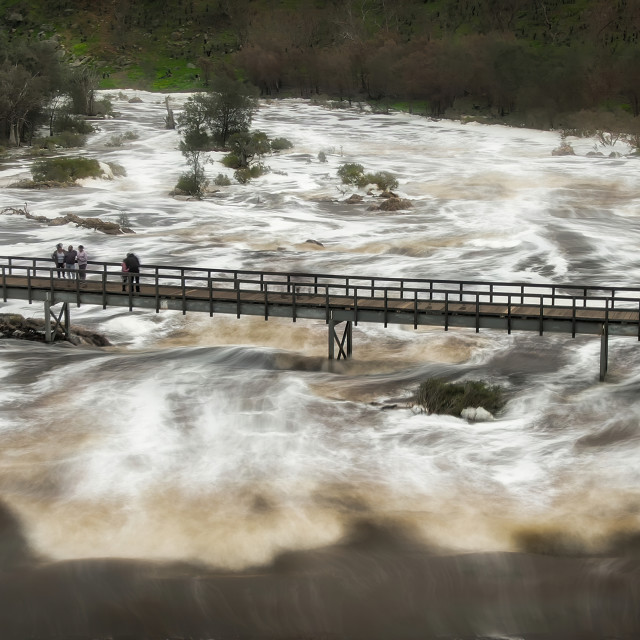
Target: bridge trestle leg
x,y
51,329
604,351
335,339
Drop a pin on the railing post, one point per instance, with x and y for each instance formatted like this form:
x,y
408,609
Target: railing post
x,y
355,305
446,311
184,292
157,289
47,317
604,351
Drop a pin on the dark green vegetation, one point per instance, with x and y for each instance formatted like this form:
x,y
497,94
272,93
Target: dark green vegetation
x,y
542,63
353,173
438,396
65,170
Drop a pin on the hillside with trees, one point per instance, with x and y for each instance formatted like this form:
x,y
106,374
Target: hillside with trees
x,y
570,64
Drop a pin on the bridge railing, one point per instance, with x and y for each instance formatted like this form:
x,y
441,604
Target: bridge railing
x,y
357,289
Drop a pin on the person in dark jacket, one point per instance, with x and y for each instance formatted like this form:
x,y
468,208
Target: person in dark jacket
x,y
131,271
70,259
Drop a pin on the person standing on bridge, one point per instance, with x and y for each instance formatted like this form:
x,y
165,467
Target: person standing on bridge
x,y
131,267
82,258
70,259
58,257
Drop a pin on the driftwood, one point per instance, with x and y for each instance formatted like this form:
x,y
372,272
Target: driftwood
x,y
110,228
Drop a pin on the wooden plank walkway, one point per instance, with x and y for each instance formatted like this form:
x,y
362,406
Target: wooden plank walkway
x,y
80,291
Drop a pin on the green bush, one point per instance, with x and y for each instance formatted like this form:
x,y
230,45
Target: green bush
x,y
280,144
383,179
221,180
119,139
244,174
438,396
191,184
65,169
64,139
352,173
69,122
231,161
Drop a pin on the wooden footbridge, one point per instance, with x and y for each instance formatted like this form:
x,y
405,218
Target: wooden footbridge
x,y
336,299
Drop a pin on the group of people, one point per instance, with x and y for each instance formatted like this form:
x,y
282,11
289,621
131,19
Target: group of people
x,y
66,261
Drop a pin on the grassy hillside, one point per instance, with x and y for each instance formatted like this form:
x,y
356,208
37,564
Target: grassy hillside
x,y
174,45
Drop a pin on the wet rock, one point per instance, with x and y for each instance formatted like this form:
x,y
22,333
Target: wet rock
x,y
135,100
13,325
565,149
476,414
392,204
354,198
319,244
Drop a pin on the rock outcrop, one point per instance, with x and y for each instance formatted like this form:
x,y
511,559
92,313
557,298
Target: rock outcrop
x,y
13,325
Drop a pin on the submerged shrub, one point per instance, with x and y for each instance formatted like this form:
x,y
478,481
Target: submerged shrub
x,y
438,396
69,122
119,139
352,173
231,161
221,180
65,169
322,157
280,144
64,139
382,179
244,174
192,184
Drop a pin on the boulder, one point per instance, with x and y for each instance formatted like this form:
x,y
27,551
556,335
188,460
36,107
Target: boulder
x,y
476,414
392,204
565,149
13,325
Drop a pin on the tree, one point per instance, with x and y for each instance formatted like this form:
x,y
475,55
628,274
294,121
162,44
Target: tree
x,y
83,82
194,181
233,104
248,146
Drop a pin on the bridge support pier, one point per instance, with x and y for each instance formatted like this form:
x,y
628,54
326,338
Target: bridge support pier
x,y
50,330
335,339
604,351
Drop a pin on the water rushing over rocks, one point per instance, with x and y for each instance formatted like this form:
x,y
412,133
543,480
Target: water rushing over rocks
x,y
219,478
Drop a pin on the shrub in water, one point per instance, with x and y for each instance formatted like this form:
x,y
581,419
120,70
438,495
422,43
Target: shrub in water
x,y
65,169
221,180
438,396
244,174
231,160
322,157
352,173
65,139
189,183
383,179
280,144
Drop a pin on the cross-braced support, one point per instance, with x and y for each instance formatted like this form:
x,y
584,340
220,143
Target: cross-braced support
x,y
335,339
51,330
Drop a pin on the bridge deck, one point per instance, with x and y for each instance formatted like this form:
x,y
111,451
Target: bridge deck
x,y
298,303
